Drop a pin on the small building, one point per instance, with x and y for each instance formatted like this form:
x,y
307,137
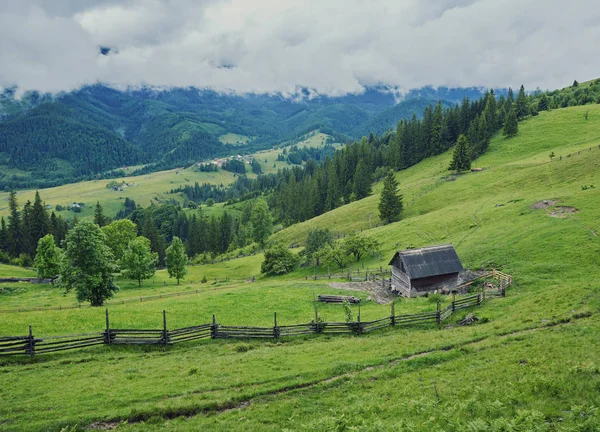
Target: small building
x,y
416,272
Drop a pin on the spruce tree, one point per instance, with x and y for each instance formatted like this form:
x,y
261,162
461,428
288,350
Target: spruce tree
x,y
390,202
543,103
157,243
436,141
14,228
26,227
99,218
362,180
521,109
39,220
3,236
511,126
461,158
176,259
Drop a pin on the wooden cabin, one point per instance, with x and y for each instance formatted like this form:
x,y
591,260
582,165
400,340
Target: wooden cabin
x,y
416,272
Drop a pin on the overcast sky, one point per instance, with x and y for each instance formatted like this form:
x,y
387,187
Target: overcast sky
x,y
331,46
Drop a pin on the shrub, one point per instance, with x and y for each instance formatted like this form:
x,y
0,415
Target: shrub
x,y
278,260
204,280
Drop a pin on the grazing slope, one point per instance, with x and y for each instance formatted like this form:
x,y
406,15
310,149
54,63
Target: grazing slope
x,y
530,364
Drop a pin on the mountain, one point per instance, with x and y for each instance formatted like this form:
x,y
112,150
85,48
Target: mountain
x,y
97,128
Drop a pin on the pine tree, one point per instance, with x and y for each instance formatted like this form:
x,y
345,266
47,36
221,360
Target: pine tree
x,y
390,202
138,261
362,180
14,228
99,218
461,158
543,103
521,104
26,227
176,259
511,126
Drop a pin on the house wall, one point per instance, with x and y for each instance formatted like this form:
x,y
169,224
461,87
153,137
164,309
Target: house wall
x,y
429,284
400,282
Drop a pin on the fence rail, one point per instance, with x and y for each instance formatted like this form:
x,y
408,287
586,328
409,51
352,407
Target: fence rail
x,y
30,345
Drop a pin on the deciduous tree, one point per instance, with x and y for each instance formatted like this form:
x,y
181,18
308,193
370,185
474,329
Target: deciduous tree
x,y
47,258
176,259
139,262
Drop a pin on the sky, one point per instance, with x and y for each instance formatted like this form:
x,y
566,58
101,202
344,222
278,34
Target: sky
x,y
332,47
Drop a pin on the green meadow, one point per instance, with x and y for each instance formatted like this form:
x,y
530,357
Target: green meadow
x,y
529,364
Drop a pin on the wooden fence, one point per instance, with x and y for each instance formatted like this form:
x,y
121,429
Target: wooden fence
x,y
31,345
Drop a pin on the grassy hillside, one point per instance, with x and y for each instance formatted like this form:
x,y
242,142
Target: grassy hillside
x,y
530,364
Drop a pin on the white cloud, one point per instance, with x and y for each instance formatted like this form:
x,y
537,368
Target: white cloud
x,y
331,46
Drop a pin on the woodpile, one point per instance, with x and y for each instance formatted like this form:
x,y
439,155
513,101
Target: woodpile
x,y
326,298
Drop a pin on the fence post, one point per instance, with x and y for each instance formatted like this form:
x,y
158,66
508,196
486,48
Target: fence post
x,y
165,333
359,328
30,343
479,296
107,332
275,328
317,328
393,314
213,328
438,318
453,304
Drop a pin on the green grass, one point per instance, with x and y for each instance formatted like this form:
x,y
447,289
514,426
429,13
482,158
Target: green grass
x,y
532,364
7,271
233,139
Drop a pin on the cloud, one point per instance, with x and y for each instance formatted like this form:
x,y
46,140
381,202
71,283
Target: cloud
x,y
330,46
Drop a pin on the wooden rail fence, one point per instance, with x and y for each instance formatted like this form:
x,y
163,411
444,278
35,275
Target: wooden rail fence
x,y
31,345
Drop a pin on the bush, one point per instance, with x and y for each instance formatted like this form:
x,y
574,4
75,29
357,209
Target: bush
x,y
278,261
434,298
23,260
204,280
4,258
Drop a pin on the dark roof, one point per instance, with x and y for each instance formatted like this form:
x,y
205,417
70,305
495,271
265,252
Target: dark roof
x,y
429,261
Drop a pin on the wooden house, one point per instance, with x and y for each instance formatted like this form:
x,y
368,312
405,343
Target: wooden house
x,y
417,272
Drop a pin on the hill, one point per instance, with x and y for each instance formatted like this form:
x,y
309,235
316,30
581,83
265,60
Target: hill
x,y
530,363
174,127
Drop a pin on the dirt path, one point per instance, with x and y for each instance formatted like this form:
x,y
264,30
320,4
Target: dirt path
x,y
377,293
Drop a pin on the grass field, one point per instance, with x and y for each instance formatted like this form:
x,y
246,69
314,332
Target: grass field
x,y
233,139
531,364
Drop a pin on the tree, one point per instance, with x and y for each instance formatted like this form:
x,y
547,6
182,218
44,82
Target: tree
x,y
358,246
39,219
575,83
521,104
543,103
14,228
317,239
335,253
88,264
139,262
461,158
176,259
278,260
3,236
47,258
99,218
210,202
390,202
119,234
262,221
362,180
157,241
511,126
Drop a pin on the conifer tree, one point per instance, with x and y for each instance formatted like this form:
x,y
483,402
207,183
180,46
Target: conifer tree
x,y
390,202
39,220
362,180
176,259
3,236
511,126
99,218
26,227
543,103
521,109
157,243
437,145
461,158
14,228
